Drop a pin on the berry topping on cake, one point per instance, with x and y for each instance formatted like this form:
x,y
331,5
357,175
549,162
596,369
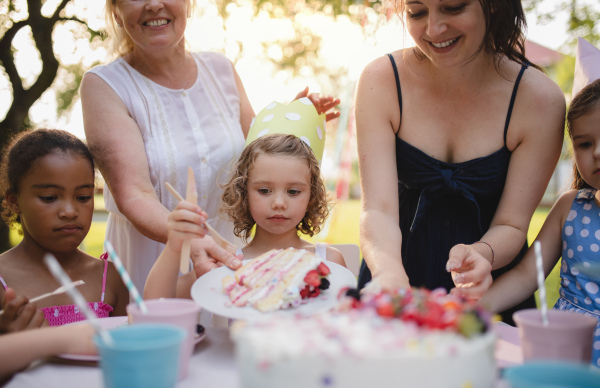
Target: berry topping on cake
x,y
428,309
278,279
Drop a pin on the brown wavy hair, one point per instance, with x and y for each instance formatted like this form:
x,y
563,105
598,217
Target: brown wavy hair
x,y
235,204
22,154
584,103
504,25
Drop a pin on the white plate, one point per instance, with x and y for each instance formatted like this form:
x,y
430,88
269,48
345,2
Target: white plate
x,y
109,323
207,291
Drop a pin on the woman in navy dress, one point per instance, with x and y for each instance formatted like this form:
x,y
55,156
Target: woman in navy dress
x,y
457,140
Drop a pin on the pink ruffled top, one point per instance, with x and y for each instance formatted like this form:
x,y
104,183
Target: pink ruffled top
x,y
61,315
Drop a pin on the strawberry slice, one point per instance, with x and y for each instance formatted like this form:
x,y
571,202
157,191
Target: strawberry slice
x,y
312,278
323,270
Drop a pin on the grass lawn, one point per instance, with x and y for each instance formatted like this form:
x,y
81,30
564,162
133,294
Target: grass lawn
x,y
342,228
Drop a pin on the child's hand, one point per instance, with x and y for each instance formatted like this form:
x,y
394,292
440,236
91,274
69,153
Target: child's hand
x,y
470,272
322,103
77,339
186,222
19,314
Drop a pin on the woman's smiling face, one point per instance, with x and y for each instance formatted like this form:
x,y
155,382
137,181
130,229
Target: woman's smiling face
x,y
448,32
153,23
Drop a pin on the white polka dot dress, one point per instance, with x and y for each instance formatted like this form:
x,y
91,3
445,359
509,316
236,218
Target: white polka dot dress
x,y
581,243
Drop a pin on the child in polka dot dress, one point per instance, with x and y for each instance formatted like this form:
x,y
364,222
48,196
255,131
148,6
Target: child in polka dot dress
x,y
276,191
47,186
571,230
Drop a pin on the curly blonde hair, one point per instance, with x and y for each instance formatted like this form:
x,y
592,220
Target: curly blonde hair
x,y
235,204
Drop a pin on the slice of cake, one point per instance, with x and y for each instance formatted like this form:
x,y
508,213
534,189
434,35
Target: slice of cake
x,y
277,279
409,338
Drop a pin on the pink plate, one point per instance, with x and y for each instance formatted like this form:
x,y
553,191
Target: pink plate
x,y
109,323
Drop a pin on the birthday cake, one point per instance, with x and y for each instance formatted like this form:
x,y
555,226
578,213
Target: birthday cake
x,y
410,338
278,279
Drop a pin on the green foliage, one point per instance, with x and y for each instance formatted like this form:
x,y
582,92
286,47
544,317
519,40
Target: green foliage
x,y
563,73
581,23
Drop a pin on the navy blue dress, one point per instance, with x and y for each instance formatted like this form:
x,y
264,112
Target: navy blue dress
x,y
444,204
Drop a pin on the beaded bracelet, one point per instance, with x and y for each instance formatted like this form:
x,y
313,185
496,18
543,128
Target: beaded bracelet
x,y
492,249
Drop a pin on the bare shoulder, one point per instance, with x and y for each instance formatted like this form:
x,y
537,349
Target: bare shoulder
x,y
564,202
561,208
9,261
334,255
377,97
538,113
543,93
380,70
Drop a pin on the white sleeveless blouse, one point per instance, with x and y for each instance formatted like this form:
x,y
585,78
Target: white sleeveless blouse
x,y
197,127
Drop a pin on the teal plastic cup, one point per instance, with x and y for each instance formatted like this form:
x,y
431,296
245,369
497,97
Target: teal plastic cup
x,y
145,355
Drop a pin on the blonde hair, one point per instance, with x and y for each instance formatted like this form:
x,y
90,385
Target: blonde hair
x,y
235,204
121,43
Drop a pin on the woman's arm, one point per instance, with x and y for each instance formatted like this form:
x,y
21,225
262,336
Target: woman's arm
x,y
246,111
377,120
535,137
116,142
517,284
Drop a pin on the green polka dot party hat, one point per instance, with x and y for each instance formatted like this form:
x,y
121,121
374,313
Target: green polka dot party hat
x,y
299,118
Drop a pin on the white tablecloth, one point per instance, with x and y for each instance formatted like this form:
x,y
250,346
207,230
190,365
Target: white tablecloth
x,y
212,365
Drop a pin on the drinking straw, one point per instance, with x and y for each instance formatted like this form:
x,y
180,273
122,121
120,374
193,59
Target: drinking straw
x,y
126,278
540,280
61,276
59,290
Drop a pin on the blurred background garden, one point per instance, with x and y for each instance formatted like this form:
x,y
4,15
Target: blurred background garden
x,y
278,47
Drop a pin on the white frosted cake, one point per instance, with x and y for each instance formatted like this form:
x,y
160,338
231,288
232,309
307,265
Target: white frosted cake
x,y
277,279
413,338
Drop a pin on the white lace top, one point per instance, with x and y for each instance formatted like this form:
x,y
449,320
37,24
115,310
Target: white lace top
x,y
197,127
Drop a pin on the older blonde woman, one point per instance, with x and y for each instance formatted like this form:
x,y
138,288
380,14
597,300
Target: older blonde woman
x,y
150,114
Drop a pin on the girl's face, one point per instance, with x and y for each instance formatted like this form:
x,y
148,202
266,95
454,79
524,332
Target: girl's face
x,y
448,32
278,192
153,23
56,202
585,134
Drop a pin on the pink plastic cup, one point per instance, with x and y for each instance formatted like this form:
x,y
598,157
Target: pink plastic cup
x,y
568,336
179,312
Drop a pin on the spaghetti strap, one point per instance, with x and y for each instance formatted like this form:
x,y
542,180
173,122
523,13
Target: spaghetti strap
x,y
3,283
397,83
512,98
321,250
105,258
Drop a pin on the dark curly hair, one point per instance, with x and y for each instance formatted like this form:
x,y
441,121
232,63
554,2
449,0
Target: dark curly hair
x,y
584,103
22,153
235,204
505,24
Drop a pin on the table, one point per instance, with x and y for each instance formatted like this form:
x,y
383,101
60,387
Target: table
x,y
212,365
